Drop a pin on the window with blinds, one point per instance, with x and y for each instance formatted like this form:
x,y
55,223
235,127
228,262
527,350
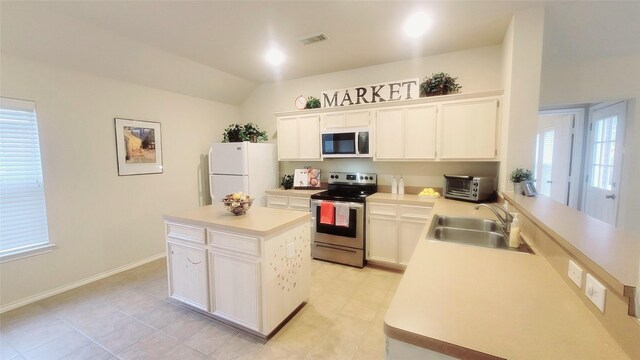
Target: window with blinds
x,y
23,216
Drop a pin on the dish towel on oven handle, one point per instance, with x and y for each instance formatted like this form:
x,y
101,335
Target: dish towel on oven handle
x,y
326,213
342,214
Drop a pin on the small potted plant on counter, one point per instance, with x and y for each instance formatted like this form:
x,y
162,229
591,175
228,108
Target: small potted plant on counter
x,y
439,84
287,182
517,177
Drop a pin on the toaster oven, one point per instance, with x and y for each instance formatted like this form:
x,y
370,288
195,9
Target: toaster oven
x,y
469,188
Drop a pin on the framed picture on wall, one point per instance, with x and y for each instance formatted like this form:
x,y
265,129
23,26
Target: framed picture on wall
x,y
138,146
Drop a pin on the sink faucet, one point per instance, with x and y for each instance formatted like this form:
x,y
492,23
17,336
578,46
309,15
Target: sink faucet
x,y
505,220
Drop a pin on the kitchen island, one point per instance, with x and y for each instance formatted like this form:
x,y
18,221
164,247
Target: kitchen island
x,y
251,271
468,302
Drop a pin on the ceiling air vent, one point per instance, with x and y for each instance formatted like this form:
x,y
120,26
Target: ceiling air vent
x,y
312,39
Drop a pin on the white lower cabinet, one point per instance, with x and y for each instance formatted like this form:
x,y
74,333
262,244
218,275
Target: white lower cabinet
x,y
188,274
393,231
299,203
255,282
383,234
236,289
408,236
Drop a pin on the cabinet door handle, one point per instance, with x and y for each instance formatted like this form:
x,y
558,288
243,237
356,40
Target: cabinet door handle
x,y
194,263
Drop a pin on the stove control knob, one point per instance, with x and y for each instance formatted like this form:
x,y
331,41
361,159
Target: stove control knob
x,y
361,178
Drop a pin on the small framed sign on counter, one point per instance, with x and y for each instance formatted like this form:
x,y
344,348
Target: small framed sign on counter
x,y
306,178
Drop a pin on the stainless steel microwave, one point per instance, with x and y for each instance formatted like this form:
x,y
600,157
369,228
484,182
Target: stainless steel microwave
x,y
345,143
469,188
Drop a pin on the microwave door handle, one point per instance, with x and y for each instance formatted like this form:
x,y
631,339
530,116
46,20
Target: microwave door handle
x,y
459,177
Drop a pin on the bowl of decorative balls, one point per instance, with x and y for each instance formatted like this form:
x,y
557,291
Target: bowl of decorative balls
x,y
237,203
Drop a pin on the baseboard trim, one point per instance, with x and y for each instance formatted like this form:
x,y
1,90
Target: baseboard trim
x,y
73,285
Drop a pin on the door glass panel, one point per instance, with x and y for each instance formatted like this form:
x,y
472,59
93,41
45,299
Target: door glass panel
x,y
604,149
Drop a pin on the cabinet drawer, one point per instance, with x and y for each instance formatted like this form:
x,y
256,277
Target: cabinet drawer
x,y
382,209
277,201
186,232
299,203
409,212
236,243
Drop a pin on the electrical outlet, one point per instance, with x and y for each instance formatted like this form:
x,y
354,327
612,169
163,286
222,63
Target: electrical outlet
x,y
291,250
575,273
595,291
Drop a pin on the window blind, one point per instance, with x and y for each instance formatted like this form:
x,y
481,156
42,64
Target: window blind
x,y
23,217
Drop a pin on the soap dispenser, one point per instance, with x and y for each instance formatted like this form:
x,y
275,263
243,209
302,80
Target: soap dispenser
x,y
514,234
394,186
401,186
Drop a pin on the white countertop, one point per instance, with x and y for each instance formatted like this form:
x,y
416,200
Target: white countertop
x,y
475,302
294,192
258,221
616,252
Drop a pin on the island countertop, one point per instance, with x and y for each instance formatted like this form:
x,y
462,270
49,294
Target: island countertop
x,y
474,302
258,221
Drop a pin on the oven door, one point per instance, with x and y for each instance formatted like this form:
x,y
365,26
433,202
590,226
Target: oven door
x,y
351,236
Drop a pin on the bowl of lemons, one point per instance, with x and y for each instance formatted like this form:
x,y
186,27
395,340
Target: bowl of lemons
x,y
237,203
429,193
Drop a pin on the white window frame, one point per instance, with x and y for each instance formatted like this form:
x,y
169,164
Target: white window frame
x,y
30,249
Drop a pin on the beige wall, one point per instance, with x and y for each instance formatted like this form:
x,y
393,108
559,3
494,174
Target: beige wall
x,y
521,69
477,70
99,220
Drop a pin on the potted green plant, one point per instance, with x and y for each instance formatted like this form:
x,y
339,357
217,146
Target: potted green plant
x,y
439,84
287,182
312,103
251,132
233,133
518,176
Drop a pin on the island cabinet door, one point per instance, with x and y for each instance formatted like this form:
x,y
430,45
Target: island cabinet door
x,y
188,280
235,282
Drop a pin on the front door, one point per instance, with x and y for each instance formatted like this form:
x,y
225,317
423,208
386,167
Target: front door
x,y
604,151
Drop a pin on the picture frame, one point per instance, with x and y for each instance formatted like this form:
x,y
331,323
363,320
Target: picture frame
x,y
529,188
138,147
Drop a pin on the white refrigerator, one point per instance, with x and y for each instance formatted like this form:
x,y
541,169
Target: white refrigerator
x,y
242,166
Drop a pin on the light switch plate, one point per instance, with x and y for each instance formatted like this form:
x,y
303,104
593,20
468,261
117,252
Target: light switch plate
x,y
595,291
575,273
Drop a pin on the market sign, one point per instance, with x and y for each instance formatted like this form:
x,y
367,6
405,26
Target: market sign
x,y
372,94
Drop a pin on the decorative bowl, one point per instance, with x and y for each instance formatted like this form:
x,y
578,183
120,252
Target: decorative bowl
x,y
237,203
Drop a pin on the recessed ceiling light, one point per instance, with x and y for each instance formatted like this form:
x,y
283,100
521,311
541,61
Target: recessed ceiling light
x,y
275,57
417,24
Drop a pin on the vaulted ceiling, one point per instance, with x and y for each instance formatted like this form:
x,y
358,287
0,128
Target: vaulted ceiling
x,y
215,49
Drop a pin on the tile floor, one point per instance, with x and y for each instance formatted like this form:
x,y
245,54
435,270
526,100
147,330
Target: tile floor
x,y
129,316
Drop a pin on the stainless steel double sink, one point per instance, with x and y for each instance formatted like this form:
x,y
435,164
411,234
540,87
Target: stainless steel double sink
x,y
471,231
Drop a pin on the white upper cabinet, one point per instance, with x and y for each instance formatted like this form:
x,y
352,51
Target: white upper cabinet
x,y
463,128
406,133
389,130
348,119
299,138
468,130
420,132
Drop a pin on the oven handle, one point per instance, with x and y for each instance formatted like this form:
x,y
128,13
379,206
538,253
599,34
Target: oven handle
x,y
352,205
336,248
